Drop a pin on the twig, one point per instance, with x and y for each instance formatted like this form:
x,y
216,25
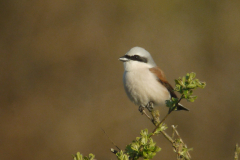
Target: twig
x,y
167,136
178,146
163,132
166,116
111,141
183,144
114,151
237,151
143,111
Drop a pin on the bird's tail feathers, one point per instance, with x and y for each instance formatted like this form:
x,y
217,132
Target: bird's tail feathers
x,y
181,107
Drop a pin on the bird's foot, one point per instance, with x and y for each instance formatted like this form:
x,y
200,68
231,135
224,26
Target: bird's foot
x,y
141,109
149,106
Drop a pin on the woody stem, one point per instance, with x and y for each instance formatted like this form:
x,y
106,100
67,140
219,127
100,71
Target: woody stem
x,y
166,116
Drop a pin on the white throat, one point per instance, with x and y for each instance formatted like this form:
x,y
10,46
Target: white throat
x,y
135,65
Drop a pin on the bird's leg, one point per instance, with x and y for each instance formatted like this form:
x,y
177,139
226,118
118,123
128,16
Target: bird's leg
x,y
149,106
141,110
155,113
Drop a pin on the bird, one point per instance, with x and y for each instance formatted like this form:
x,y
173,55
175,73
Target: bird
x,y
145,84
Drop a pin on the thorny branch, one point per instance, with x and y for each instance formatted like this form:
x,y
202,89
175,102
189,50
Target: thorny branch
x,y
177,143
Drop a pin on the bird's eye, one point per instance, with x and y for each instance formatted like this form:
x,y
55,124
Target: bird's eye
x,y
136,57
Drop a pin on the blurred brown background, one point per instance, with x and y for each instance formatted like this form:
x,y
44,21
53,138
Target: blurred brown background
x,y
61,81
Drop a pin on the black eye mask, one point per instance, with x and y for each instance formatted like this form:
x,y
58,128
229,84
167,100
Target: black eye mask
x,y
137,58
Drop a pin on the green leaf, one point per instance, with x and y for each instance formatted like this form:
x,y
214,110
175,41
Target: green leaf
x,y
192,75
191,98
145,154
85,158
135,146
177,88
177,81
157,149
151,146
194,97
183,80
180,82
175,100
153,154
162,127
144,132
187,76
185,92
150,155
150,134
77,156
144,140
169,103
125,157
91,156
202,84
191,86
150,141
121,156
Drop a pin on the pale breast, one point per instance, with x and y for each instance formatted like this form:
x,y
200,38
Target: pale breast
x,y
142,87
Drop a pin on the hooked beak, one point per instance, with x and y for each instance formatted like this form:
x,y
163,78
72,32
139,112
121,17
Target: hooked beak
x,y
123,59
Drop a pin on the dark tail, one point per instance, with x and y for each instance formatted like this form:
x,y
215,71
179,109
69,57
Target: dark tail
x,y
181,107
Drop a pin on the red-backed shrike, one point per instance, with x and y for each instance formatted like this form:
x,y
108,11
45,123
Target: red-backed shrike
x,y
144,82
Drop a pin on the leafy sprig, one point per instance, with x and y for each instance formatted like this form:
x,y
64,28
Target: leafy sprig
x,y
185,87
143,146
187,84
79,156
